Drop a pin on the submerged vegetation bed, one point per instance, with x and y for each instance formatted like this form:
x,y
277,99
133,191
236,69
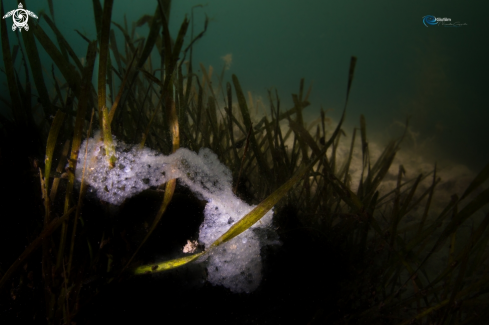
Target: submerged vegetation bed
x,y
348,242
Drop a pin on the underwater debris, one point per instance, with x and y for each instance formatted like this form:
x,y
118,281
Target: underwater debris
x,y
191,246
235,264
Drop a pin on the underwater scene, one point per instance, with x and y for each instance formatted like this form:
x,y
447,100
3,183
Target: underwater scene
x,y
243,162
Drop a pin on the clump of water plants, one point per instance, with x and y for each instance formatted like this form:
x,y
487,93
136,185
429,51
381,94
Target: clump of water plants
x,y
91,244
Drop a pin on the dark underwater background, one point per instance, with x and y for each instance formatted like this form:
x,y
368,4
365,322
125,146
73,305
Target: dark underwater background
x,y
435,75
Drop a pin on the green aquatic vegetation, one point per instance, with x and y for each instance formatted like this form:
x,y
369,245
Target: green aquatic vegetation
x,y
166,105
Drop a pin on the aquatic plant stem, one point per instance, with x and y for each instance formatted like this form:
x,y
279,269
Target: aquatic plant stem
x,y
121,89
80,199
243,159
171,184
104,52
240,226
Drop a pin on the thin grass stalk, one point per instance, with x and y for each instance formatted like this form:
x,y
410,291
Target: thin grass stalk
x,y
346,169
68,71
80,200
261,209
478,258
63,43
172,119
59,169
129,43
395,208
458,285
365,157
333,154
102,83
404,208
375,177
428,203
478,181
276,161
51,143
451,248
242,160
468,210
420,237
173,53
115,50
171,184
299,120
56,87
110,79
473,206
148,127
182,105
279,132
77,136
154,29
121,90
247,121
418,200
229,92
82,36
108,142
46,259
98,14
474,239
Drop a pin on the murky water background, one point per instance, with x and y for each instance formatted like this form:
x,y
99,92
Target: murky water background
x,y
436,75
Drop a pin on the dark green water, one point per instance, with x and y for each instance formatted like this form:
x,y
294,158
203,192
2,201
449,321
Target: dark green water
x,y
437,75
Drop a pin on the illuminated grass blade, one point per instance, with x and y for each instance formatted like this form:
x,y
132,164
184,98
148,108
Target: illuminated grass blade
x,y
261,209
164,266
242,225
